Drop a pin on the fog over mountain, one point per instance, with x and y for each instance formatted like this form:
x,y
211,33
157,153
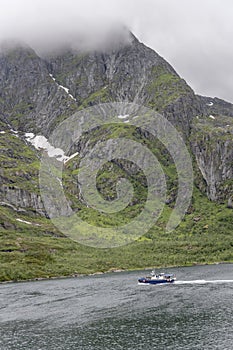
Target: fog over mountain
x,y
194,36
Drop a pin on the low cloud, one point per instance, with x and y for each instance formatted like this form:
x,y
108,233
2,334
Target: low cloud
x,y
50,24
195,36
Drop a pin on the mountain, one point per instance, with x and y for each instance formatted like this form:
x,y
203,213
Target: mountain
x,y
38,92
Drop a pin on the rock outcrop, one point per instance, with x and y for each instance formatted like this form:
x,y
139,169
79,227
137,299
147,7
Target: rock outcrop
x,y
212,145
30,100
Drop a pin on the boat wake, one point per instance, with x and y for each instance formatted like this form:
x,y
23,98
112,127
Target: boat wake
x,y
203,282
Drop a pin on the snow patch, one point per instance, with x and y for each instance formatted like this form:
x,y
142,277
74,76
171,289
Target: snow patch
x,y
211,116
72,156
126,121
63,87
67,91
29,135
123,116
41,142
24,221
59,180
72,97
27,222
210,104
12,130
52,77
2,132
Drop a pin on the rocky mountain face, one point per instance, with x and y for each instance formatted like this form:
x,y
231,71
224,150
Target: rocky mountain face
x,y
29,97
37,93
131,73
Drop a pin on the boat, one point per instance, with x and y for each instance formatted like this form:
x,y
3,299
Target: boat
x,y
160,278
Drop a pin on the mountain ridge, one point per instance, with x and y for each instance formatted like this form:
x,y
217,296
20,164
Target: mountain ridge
x,y
37,93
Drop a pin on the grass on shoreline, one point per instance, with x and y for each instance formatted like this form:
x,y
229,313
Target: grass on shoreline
x,y
38,251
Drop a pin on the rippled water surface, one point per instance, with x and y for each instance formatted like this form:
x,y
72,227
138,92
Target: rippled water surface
x,y
112,311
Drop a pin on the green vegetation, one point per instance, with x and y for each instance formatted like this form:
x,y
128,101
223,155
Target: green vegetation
x,y
19,111
29,251
31,247
165,88
100,96
214,126
19,163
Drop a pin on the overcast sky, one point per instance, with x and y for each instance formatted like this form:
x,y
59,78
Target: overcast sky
x,y
195,36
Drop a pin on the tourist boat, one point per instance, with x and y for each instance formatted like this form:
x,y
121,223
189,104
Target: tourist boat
x,y
160,278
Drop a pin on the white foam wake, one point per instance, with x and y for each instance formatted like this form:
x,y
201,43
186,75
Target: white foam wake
x,y
203,281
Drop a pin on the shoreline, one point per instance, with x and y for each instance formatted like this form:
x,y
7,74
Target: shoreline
x,y
38,279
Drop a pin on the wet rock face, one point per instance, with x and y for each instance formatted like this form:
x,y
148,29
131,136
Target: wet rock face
x,y
212,145
21,199
215,165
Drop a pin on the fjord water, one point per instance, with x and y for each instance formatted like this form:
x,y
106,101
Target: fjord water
x,y
112,311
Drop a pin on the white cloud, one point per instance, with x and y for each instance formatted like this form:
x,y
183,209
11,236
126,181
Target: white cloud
x,y
195,36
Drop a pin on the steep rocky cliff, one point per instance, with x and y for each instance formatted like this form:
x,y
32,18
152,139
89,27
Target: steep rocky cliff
x,y
30,100
212,145
36,93
133,73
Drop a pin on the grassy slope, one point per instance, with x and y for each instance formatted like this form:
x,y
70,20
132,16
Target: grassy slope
x,y
38,250
29,251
